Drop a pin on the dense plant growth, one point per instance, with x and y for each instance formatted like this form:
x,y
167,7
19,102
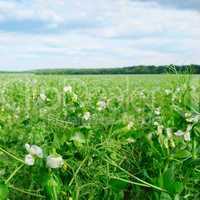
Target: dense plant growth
x,y
105,137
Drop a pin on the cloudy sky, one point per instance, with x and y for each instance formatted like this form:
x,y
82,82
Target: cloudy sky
x,y
100,33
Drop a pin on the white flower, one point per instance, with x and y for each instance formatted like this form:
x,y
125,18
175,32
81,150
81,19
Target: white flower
x,y
78,138
169,132
193,88
178,89
157,111
86,116
141,93
187,137
43,97
101,105
188,114
67,88
130,125
172,144
29,160
139,110
55,161
27,147
179,133
173,98
34,150
189,127
167,91
130,140
156,123
149,136
160,129
193,119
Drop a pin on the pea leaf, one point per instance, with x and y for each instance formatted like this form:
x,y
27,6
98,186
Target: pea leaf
x,y
118,185
3,191
182,154
165,196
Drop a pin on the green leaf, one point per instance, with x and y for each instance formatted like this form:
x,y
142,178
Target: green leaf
x,y
182,154
165,196
53,186
178,187
118,185
3,191
169,182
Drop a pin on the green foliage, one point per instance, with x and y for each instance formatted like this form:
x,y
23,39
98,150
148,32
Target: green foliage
x,y
121,137
53,185
141,69
3,191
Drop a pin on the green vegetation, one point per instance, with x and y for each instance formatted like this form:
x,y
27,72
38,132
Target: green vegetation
x,y
99,137
189,69
195,69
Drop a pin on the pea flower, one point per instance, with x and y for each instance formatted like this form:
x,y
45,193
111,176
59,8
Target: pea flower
x,y
43,97
142,94
188,114
101,105
149,136
139,110
193,119
173,98
169,132
156,123
157,111
187,137
167,91
130,125
67,89
54,161
78,138
178,89
179,133
160,129
130,140
29,160
86,116
189,128
34,150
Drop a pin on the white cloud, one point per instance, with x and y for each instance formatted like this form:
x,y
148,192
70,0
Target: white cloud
x,y
101,33
12,10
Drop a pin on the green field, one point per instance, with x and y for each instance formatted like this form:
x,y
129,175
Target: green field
x,y
99,137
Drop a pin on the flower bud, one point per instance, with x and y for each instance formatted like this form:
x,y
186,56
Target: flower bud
x,y
29,160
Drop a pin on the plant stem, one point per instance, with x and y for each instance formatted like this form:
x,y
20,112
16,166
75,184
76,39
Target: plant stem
x,y
127,181
11,155
77,171
135,177
26,192
14,172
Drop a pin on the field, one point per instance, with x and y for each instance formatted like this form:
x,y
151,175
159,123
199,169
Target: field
x,y
99,137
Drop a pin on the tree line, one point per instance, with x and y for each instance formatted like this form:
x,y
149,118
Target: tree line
x,y
141,69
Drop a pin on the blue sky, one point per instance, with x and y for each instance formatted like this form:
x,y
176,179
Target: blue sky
x,y
101,33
